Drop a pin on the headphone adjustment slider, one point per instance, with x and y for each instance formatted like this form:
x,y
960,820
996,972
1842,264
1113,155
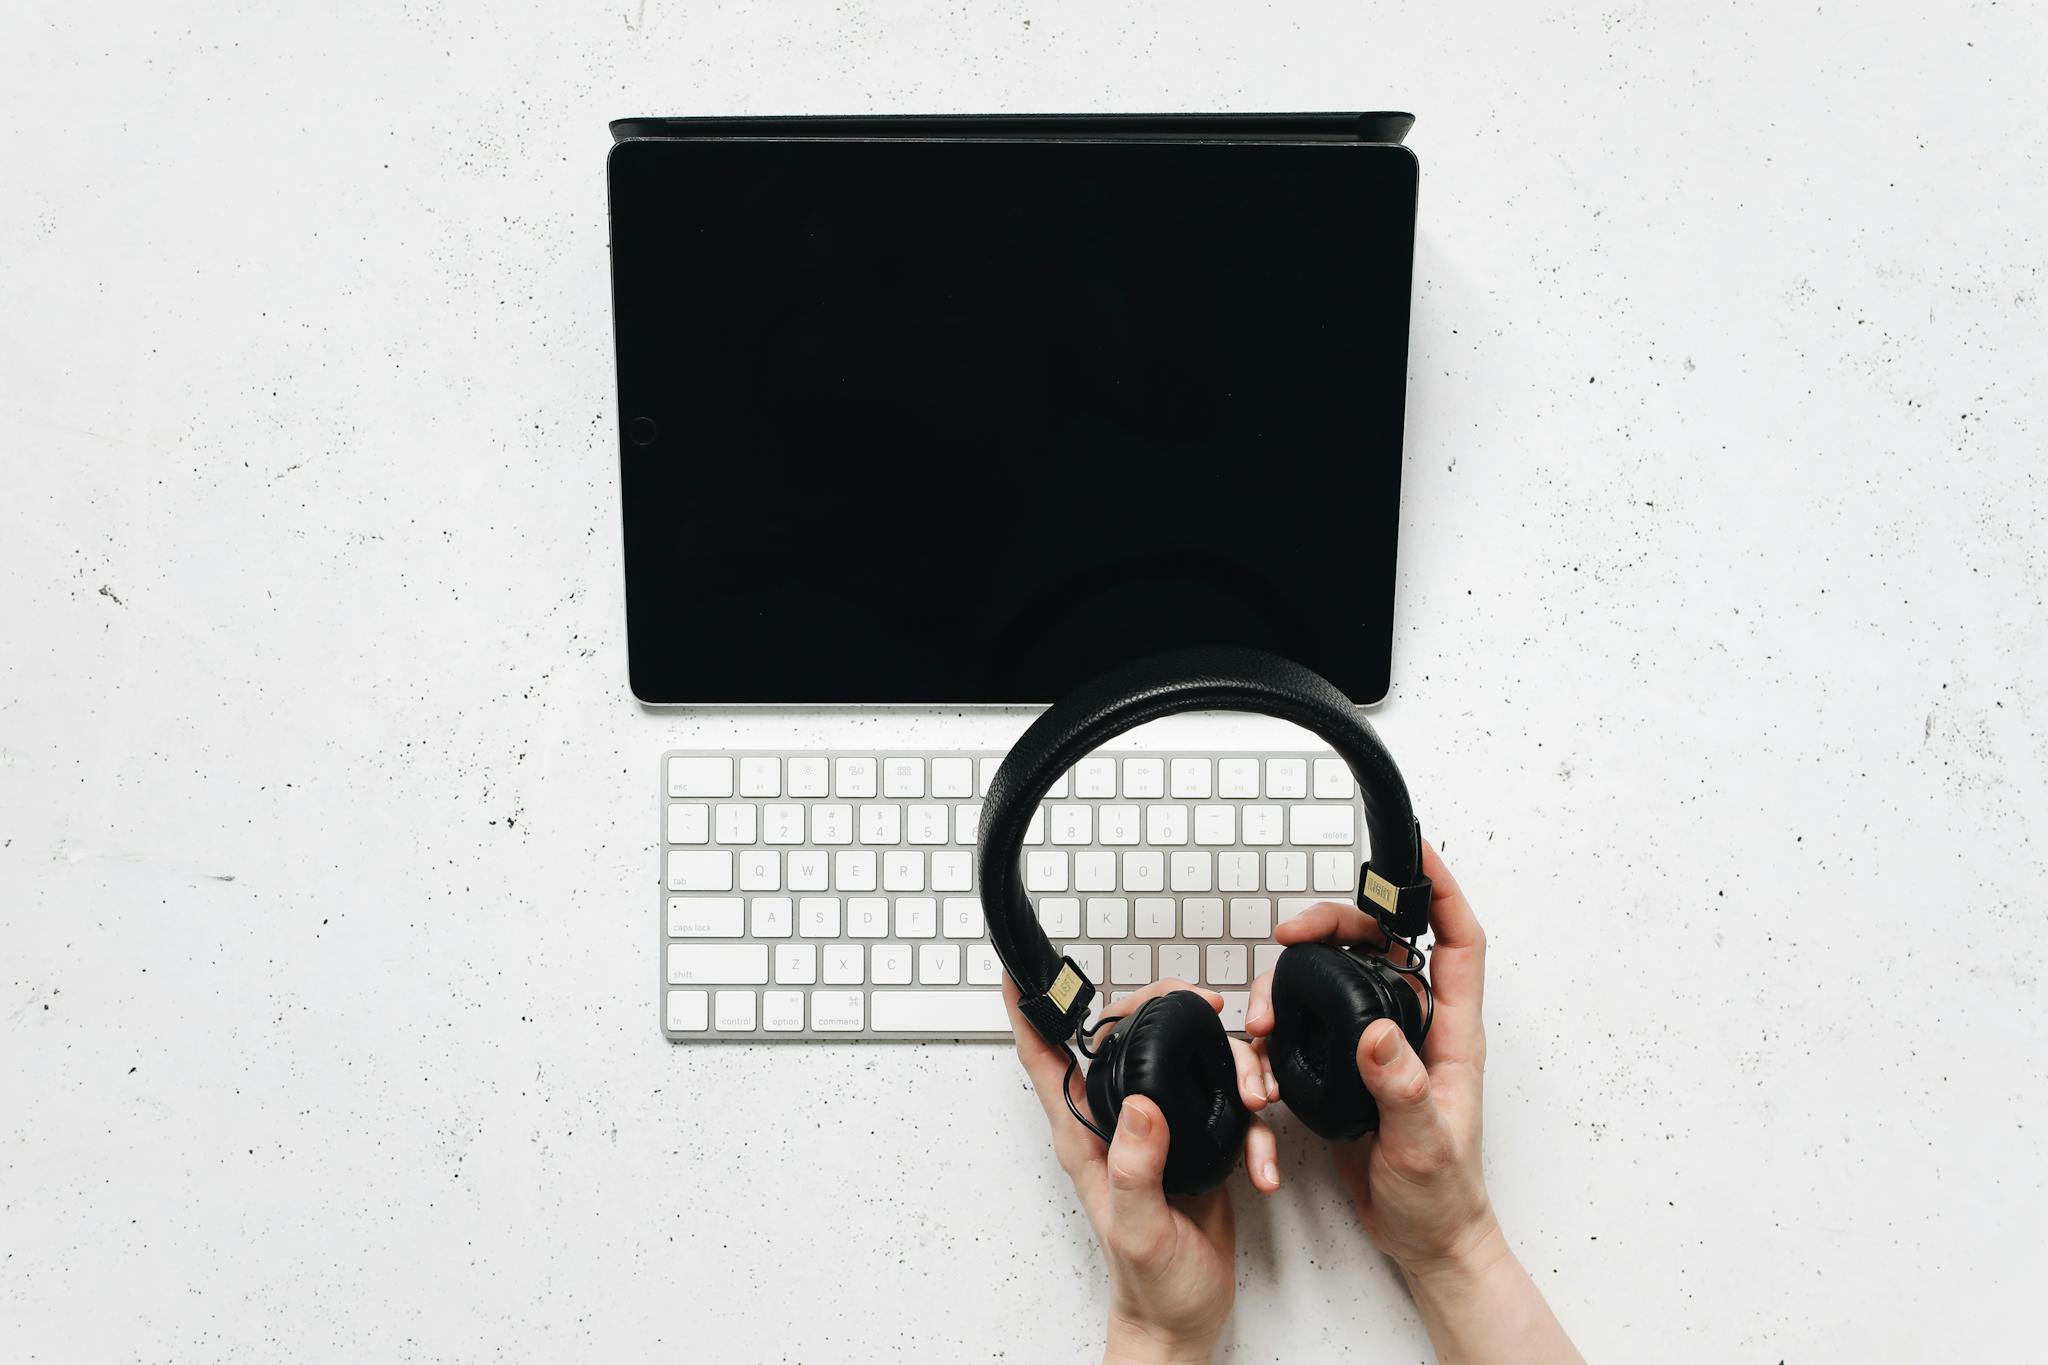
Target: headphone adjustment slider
x,y
1057,1014
1403,911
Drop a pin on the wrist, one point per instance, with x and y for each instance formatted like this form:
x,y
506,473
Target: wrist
x,y
1467,1259
1134,1343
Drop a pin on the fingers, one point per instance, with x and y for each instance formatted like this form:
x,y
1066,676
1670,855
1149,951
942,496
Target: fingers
x,y
1409,1121
1252,1076
1329,920
1154,991
1139,1222
1262,1157
1457,968
1258,1014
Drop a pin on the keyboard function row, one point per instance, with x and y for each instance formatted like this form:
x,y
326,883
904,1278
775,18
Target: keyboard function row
x,y
1099,777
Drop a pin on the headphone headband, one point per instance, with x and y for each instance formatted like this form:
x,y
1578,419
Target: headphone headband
x,y
1056,993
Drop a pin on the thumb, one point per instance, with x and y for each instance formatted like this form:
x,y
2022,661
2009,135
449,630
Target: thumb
x,y
1399,1083
1139,1223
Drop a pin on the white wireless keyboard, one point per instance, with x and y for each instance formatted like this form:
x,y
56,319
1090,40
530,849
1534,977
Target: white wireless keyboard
x,y
832,894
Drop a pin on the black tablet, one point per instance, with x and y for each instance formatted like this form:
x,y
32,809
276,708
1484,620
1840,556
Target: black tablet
x,y
967,419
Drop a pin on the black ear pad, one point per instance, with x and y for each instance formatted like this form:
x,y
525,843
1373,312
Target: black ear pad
x,y
1174,1052
1323,998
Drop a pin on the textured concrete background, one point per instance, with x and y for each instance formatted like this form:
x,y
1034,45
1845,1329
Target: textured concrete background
x,y
327,1028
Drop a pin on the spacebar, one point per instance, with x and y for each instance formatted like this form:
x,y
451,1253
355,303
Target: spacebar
x,y
945,1012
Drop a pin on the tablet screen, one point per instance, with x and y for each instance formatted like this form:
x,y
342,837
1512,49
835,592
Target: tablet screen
x,y
967,422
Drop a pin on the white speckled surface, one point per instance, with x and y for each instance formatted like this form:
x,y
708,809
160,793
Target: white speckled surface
x,y
326,1029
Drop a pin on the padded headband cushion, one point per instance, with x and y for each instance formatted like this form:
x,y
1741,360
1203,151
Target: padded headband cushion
x,y
1323,999
1174,1052
1215,679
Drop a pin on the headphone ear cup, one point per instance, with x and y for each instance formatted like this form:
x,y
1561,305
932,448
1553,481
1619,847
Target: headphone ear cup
x,y
1323,998
1174,1052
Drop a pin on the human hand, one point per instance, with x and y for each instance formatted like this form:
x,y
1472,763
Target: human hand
x,y
1417,1181
1172,1274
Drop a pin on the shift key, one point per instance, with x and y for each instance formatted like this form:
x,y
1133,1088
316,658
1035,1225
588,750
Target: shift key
x,y
717,964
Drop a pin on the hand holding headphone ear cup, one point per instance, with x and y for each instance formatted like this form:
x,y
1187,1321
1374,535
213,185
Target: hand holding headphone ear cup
x,y
1323,998
1174,1052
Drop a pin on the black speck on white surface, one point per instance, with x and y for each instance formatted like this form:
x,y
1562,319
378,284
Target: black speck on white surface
x,y
326,1020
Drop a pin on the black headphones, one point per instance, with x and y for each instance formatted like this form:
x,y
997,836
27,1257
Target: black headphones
x,y
1173,1049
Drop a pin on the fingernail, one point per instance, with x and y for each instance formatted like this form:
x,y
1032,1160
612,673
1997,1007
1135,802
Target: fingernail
x,y
1139,1122
1387,1048
1258,1015
1272,1089
1272,1174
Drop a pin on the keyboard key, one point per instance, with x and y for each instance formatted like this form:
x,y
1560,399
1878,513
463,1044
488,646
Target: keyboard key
x,y
1144,871
1045,871
837,1011
1237,872
986,771
1060,916
843,966
952,872
867,917
917,917
1265,957
1251,917
1215,825
1287,778
1262,826
1321,825
1166,825
1118,825
889,964
1088,957
1144,778
881,824
1179,962
1202,917
700,777
1095,871
1287,871
734,823
761,777
938,964
796,964
704,917
1189,779
1332,780
761,871
782,822
1228,964
952,778
1109,917
903,777
962,917
1335,872
699,871
855,777
928,823
717,964
808,870
1155,916
1034,833
1191,872
1130,964
1095,778
782,1011
772,916
939,1012
966,823
688,823
819,916
1058,790
984,968
1237,779
832,824
1073,824
809,777
689,1011
903,871
854,871
1234,1003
